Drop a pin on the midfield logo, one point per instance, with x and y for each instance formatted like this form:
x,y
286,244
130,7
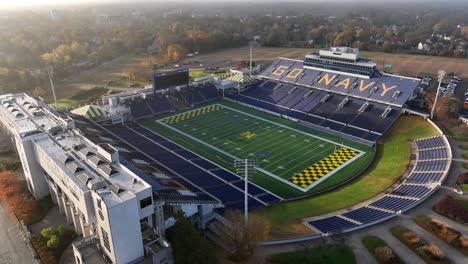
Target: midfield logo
x,y
248,135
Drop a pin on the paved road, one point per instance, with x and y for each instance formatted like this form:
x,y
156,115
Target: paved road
x,y
13,249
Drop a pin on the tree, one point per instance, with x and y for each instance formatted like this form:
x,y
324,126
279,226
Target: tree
x,y
175,52
443,27
39,91
245,238
189,247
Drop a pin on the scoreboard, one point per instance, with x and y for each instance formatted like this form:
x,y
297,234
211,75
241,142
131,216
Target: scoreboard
x,y
166,79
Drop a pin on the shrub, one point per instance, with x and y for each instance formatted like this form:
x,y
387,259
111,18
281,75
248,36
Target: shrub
x,y
47,232
462,178
53,241
449,235
385,255
46,255
61,230
411,238
432,251
452,208
437,225
463,242
15,194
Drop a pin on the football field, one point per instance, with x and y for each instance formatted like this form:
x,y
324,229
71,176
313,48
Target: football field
x,y
294,157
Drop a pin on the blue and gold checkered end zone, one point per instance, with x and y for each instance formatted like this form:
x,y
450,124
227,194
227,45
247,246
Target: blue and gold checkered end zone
x,y
191,114
322,168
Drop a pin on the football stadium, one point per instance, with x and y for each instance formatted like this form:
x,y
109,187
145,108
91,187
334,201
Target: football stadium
x,y
335,146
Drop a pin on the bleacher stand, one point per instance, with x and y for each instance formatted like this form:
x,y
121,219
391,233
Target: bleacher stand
x,y
197,95
337,112
156,104
421,182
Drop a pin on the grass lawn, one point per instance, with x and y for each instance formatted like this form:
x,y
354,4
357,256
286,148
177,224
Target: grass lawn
x,y
463,202
83,97
424,222
465,156
399,231
288,151
464,187
464,147
465,165
279,150
456,132
322,255
373,242
392,158
199,73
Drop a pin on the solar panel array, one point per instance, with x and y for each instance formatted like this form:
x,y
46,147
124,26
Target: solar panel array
x,y
421,182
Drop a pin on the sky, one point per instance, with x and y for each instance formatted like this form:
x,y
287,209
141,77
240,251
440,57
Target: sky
x,y
32,3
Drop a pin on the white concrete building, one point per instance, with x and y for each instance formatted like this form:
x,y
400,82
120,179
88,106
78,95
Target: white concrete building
x,y
107,203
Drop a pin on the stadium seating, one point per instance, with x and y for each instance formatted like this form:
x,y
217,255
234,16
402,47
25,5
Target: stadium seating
x,y
366,214
159,104
200,94
421,182
225,186
332,224
328,110
140,108
386,85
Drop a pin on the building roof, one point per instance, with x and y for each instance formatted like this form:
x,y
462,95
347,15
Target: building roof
x,y
76,159
90,111
241,78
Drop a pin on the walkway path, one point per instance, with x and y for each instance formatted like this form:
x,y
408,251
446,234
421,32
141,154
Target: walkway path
x,y
13,248
382,230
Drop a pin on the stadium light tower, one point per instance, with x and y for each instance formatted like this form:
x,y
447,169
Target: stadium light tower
x,y
50,72
250,62
441,75
246,167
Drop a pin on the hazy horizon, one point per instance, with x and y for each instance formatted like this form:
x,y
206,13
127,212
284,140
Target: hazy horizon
x,y
8,4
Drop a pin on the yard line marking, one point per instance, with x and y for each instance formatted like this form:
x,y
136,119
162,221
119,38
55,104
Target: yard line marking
x,y
302,161
227,130
199,155
290,128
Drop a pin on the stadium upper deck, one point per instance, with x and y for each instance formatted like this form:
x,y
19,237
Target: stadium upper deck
x,y
381,87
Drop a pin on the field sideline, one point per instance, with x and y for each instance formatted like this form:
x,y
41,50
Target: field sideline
x,y
392,159
202,136
282,152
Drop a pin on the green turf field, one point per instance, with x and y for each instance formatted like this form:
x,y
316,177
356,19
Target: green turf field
x,y
293,161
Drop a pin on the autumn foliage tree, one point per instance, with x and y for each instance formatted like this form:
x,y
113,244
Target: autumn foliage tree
x,y
245,238
14,193
39,91
175,52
